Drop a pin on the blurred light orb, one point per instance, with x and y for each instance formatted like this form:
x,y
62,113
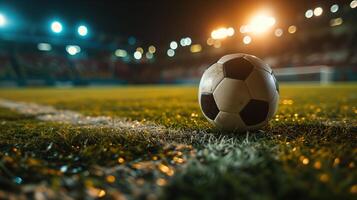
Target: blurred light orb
x,y
152,49
334,8
131,40
173,45
217,44
353,4
44,47
318,11
309,13
183,42
2,20
149,55
82,30
73,49
336,21
247,39
170,52
56,27
210,41
220,33
260,23
121,53
243,29
278,32
140,49
230,31
137,55
196,48
188,41
292,29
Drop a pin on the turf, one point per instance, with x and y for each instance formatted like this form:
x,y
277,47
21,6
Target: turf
x,y
308,151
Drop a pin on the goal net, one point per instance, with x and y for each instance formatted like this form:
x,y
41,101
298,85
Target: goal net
x,y
319,74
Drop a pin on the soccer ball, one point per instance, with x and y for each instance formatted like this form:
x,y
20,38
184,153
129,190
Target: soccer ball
x,y
239,92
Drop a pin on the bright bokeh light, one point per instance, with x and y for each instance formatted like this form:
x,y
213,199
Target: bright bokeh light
x,y
210,41
138,55
152,49
121,53
220,33
292,29
278,32
247,39
217,44
196,48
185,41
44,47
334,8
260,23
82,30
2,20
309,13
73,49
173,45
56,27
336,22
170,52
140,49
149,55
353,4
318,11
230,31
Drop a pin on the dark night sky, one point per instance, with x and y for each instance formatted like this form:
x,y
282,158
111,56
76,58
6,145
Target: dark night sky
x,y
155,20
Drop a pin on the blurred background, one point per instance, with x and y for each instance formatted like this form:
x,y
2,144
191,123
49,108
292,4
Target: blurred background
x,y
69,43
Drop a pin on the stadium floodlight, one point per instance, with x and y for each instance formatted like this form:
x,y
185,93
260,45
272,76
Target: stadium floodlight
x,y
173,45
44,47
152,49
196,48
2,20
353,4
334,8
318,11
82,30
120,53
261,23
56,27
219,34
170,52
309,13
137,55
73,49
247,39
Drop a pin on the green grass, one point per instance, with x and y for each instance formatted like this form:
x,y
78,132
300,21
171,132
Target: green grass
x,y
308,151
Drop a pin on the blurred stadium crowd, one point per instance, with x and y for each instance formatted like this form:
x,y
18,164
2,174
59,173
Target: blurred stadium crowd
x,y
320,36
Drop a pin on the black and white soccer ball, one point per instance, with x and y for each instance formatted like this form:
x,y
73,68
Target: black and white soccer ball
x,y
239,92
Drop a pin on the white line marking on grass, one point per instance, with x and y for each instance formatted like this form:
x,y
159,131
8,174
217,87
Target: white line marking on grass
x,y
49,113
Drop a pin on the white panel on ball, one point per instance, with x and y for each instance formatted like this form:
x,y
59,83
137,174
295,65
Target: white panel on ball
x,y
229,121
231,95
211,77
261,85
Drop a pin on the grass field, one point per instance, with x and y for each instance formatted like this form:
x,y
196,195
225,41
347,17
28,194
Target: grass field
x,y
308,150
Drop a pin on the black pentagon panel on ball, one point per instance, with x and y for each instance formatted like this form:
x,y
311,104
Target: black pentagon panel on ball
x,y
237,68
255,112
209,106
276,82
